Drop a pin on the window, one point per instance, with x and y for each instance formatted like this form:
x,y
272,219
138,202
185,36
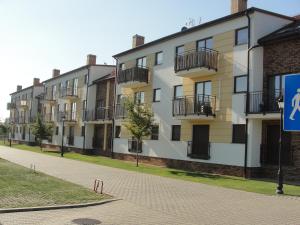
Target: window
x,y
203,89
75,86
180,50
86,79
176,130
118,132
83,131
156,95
139,97
205,43
121,66
238,133
56,130
241,36
240,84
154,132
158,58
73,110
178,91
141,62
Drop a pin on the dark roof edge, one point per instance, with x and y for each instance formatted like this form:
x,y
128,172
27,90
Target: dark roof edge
x,y
77,69
269,37
201,26
24,89
106,77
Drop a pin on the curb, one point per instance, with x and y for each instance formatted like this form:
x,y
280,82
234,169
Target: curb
x,y
42,208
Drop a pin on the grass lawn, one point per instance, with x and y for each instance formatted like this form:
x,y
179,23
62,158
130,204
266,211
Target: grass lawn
x,y
238,183
21,187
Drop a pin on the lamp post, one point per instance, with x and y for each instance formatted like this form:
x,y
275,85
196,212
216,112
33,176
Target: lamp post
x,y
63,133
279,189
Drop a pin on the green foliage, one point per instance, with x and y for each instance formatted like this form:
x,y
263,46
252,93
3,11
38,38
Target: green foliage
x,y
4,129
140,119
41,130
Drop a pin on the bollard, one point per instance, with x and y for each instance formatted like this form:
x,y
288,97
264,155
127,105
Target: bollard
x,y
97,184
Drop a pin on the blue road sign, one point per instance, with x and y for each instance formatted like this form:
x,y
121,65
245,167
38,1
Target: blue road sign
x,y
292,103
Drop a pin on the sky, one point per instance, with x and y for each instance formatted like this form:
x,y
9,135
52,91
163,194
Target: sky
x,y
38,35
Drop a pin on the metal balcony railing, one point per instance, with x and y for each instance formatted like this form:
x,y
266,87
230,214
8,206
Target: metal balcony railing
x,y
203,57
48,97
69,92
261,102
11,105
68,116
194,105
101,113
48,118
135,74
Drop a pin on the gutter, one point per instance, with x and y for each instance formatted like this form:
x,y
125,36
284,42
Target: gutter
x,y
114,109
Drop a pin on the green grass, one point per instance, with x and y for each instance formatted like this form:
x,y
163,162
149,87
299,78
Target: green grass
x,y
238,183
22,187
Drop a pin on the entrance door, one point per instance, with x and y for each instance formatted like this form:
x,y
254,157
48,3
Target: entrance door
x,y
272,146
200,144
71,135
98,141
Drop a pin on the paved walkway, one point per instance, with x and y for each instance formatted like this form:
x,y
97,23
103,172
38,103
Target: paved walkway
x,y
151,199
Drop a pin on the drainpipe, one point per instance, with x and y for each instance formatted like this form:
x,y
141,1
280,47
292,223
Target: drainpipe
x,y
247,94
86,103
114,106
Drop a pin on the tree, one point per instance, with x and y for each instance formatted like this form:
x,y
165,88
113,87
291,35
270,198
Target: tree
x,y
41,130
139,122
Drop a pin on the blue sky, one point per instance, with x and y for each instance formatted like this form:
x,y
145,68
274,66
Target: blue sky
x,y
39,35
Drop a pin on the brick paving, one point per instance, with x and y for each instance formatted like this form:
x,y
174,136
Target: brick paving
x,y
148,199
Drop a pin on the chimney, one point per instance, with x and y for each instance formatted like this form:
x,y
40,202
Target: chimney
x,y
137,40
91,59
36,81
19,87
238,6
55,73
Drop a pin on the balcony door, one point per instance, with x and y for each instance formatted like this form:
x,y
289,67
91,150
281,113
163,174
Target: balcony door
x,y
98,141
200,142
75,87
275,88
141,62
71,135
73,110
202,97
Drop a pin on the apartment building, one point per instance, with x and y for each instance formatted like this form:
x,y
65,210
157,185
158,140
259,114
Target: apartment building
x,y
23,110
281,57
68,102
195,82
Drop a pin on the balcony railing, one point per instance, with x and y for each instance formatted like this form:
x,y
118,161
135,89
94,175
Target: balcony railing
x,y
23,103
69,92
135,74
204,57
11,105
49,97
134,147
194,105
121,111
67,116
101,113
261,102
48,118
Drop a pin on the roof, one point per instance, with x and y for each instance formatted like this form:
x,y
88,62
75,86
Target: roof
x,y
106,77
202,26
288,32
24,89
74,70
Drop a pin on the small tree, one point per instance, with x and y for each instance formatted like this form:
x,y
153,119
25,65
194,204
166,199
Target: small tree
x,y
139,123
41,130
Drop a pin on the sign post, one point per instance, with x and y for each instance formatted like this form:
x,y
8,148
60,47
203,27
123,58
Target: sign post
x,y
289,106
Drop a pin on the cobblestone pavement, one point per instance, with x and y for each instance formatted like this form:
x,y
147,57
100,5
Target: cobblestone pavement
x,y
148,199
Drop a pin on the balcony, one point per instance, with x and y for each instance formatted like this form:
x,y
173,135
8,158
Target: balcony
x,y
22,120
133,77
23,104
48,118
11,105
48,98
68,117
69,93
121,112
263,103
13,120
101,113
194,107
196,63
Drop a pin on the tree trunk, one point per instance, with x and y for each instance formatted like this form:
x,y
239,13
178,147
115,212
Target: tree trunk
x,y
41,148
137,152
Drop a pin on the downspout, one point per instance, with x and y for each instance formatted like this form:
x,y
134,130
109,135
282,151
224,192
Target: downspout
x,y
247,94
86,103
114,106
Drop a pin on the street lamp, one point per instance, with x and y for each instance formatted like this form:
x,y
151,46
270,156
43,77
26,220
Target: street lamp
x,y
63,117
279,189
